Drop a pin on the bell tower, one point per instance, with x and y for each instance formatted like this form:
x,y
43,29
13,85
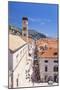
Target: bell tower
x,y
25,27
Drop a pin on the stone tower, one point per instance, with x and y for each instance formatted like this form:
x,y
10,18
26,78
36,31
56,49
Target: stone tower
x,y
25,27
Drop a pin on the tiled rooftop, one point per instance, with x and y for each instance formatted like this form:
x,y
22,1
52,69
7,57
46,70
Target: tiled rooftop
x,y
51,52
52,47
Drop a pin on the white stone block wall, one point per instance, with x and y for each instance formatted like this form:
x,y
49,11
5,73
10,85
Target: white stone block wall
x,y
50,64
18,61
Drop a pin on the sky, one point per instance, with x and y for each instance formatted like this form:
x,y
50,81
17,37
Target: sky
x,y
41,17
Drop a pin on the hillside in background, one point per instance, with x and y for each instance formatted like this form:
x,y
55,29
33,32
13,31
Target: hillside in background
x,y
35,35
31,33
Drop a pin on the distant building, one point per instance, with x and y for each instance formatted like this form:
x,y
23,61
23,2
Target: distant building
x,y
18,53
48,60
14,30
